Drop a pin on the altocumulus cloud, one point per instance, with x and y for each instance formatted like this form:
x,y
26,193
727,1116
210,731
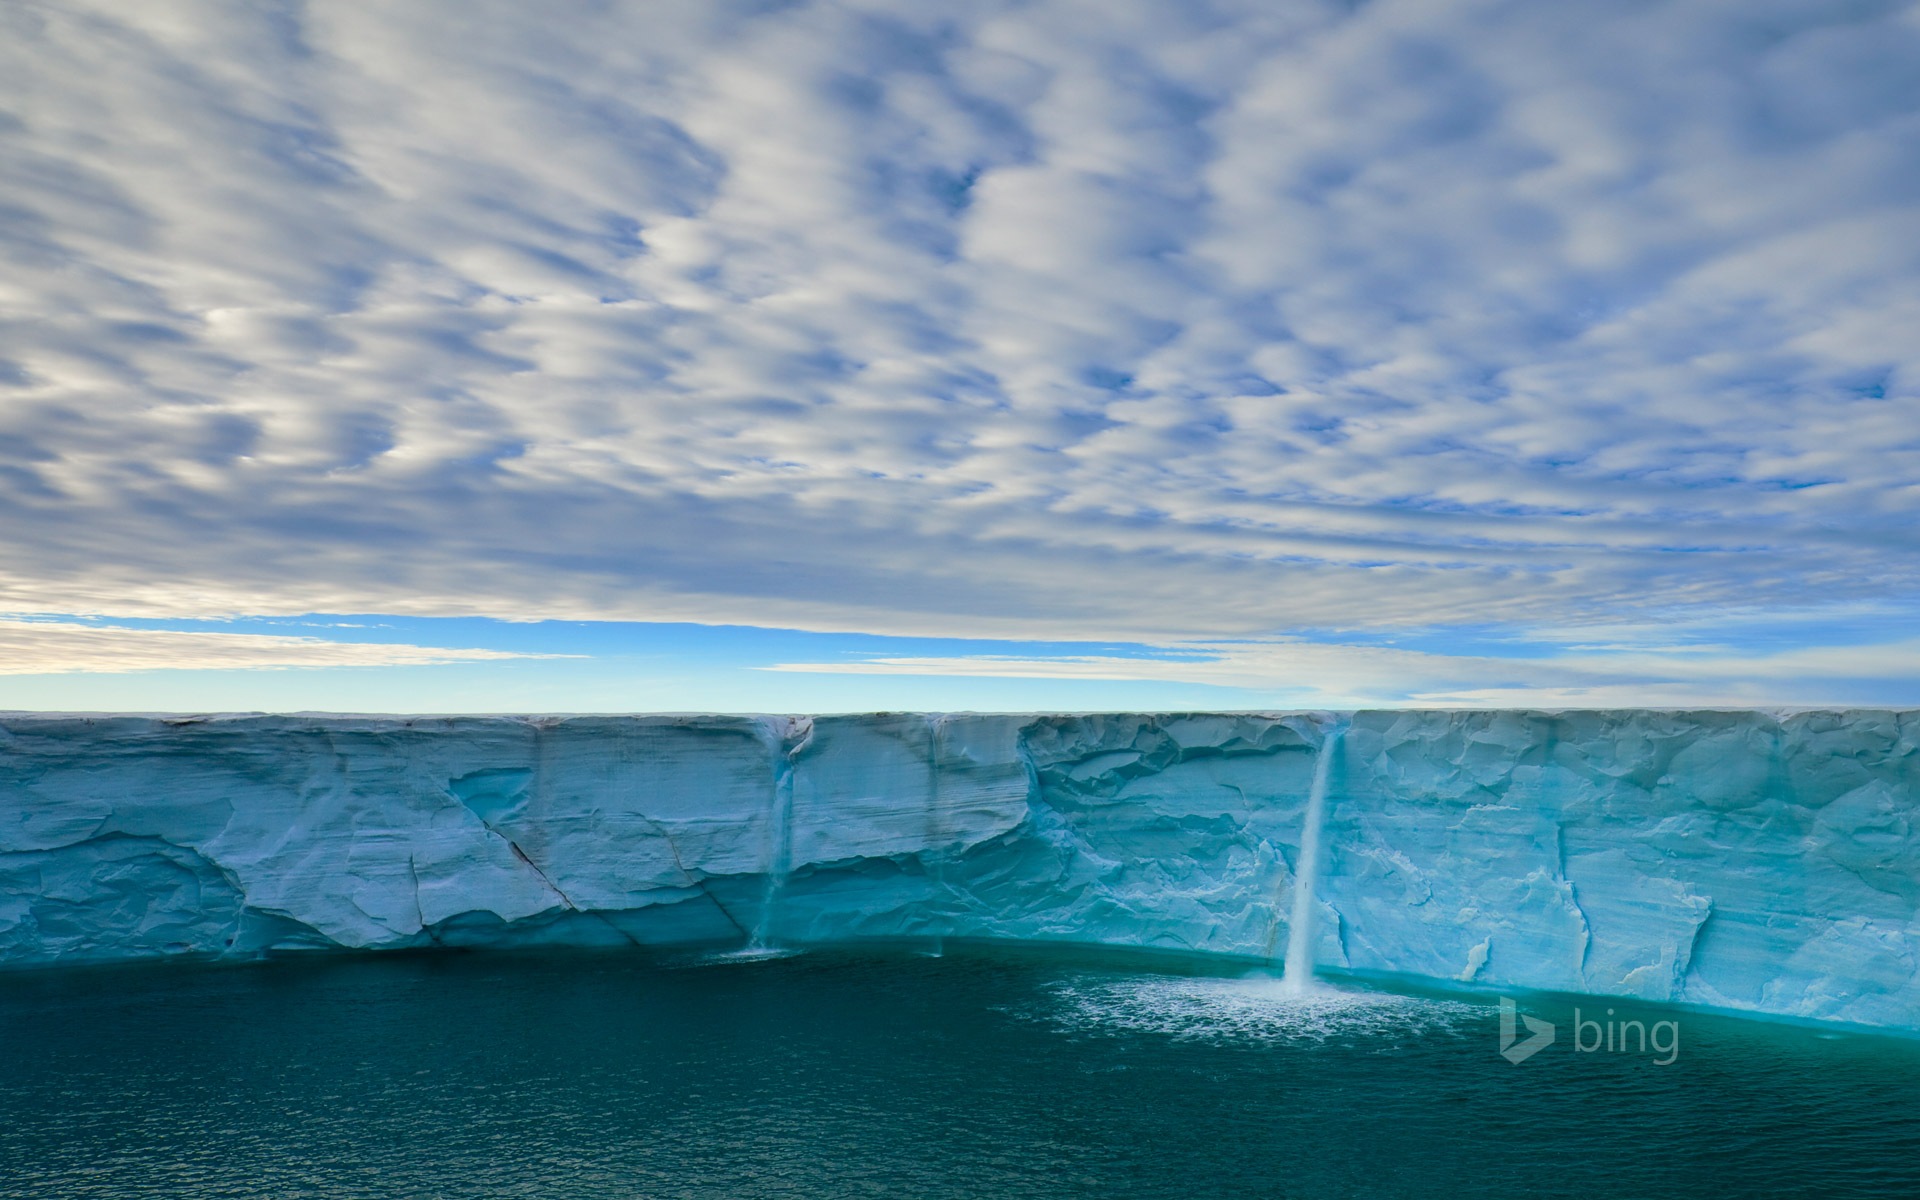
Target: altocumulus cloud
x,y
1097,320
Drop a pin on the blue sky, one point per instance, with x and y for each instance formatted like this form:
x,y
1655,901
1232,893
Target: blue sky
x,y
807,356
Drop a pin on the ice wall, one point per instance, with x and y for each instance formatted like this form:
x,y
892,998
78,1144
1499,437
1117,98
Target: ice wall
x,y
1735,859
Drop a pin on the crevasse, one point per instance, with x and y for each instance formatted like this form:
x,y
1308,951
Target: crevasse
x,y
1765,862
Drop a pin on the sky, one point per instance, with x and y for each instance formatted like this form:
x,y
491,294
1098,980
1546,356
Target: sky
x,y
788,357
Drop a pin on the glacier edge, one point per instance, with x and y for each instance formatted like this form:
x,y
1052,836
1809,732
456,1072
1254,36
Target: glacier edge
x,y
1753,861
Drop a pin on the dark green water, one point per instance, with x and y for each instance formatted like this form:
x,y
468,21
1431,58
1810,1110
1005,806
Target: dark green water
x,y
984,1073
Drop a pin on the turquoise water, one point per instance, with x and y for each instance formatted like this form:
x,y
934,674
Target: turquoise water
x,y
984,1072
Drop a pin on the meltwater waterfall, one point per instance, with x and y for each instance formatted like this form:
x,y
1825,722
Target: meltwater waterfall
x,y
779,836
1297,973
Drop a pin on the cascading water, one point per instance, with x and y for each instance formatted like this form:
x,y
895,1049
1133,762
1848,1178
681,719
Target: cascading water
x,y
779,833
935,822
1297,971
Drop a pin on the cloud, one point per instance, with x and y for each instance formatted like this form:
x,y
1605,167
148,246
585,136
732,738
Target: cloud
x,y
36,647
1092,320
1340,675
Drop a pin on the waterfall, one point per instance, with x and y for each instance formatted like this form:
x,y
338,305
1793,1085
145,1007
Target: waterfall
x,y
1297,973
936,857
779,834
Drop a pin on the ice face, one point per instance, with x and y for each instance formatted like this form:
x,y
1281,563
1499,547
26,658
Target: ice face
x,y
1741,860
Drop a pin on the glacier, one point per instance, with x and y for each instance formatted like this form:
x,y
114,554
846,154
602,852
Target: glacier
x,y
1764,862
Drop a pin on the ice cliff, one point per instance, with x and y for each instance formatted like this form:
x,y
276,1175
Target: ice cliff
x,y
1745,860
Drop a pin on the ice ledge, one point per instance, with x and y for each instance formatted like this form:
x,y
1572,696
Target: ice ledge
x,y
1761,861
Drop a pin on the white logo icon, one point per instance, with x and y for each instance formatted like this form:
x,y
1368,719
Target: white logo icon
x,y
1510,1016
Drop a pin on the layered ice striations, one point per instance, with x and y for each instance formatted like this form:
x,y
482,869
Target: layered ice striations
x,y
1743,860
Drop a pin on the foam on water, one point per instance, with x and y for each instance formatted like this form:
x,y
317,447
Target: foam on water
x,y
1254,1009
745,954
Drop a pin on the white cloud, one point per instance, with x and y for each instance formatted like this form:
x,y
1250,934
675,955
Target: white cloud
x,y
1077,319
34,647
1336,675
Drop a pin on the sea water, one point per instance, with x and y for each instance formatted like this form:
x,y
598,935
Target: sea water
x,y
984,1072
